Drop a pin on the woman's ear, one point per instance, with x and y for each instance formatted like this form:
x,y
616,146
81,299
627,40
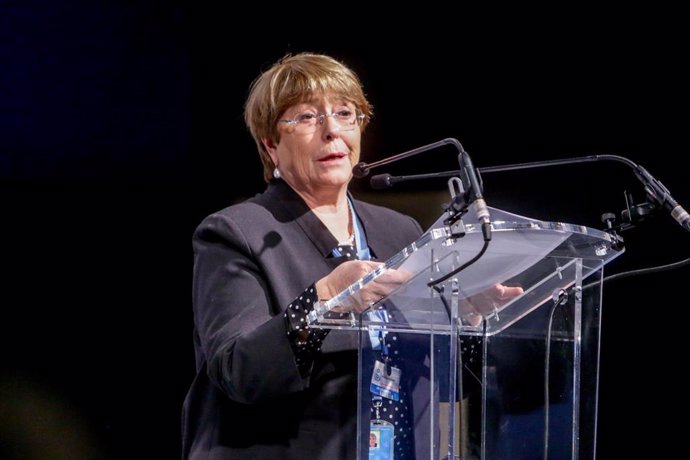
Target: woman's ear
x,y
271,147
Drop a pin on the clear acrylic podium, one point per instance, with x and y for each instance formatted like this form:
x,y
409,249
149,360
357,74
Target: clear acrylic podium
x,y
488,379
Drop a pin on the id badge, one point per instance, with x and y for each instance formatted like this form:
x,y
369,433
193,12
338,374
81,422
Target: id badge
x,y
385,384
380,440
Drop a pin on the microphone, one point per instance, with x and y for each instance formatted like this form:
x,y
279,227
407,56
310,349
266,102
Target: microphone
x,y
381,181
661,196
360,170
473,195
656,191
480,207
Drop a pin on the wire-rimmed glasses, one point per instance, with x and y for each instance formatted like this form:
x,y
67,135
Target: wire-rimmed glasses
x,y
309,121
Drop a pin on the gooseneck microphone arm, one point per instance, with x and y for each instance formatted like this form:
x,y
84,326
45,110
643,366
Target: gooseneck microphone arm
x,y
657,193
474,195
381,181
362,169
563,161
386,180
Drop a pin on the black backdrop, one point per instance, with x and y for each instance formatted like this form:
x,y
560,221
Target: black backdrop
x,y
121,127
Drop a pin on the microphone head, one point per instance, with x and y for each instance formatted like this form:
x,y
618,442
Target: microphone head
x,y
360,170
381,181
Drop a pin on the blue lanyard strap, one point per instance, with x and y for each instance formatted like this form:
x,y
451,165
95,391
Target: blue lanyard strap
x,y
363,252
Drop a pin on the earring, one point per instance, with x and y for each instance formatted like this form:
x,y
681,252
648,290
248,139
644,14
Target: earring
x,y
276,173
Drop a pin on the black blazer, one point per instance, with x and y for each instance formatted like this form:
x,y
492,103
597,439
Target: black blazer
x,y
248,400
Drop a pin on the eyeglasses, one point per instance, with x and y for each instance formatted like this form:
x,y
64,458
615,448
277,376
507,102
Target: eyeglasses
x,y
308,122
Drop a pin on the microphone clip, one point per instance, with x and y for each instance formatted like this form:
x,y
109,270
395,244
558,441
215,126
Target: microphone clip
x,y
636,213
631,216
456,208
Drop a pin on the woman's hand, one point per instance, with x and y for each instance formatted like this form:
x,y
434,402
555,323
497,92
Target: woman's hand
x,y
474,308
374,290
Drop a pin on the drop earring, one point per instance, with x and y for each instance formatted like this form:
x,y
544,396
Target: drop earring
x,y
276,173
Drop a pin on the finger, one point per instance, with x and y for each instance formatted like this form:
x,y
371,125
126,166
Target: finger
x,y
503,292
510,292
393,277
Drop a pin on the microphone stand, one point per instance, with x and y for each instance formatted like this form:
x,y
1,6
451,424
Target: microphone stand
x,y
633,213
658,195
473,195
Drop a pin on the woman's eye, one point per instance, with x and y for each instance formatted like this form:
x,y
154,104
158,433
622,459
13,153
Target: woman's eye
x,y
306,117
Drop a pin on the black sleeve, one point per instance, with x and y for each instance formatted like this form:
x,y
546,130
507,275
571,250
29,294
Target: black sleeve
x,y
306,341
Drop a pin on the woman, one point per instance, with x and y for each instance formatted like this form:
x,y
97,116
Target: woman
x,y
267,385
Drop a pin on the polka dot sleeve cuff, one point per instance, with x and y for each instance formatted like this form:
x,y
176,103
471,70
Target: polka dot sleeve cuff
x,y
305,341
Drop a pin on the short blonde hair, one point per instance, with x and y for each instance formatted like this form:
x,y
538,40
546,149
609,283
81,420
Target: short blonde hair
x,y
291,80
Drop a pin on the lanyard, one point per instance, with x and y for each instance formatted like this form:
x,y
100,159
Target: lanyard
x,y
363,253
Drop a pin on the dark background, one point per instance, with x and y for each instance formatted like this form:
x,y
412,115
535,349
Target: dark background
x,y
121,127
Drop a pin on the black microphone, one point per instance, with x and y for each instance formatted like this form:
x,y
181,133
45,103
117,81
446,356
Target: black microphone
x,y
656,191
360,170
473,195
381,181
661,196
475,189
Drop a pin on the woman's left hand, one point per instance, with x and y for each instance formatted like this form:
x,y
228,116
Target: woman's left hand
x,y
476,307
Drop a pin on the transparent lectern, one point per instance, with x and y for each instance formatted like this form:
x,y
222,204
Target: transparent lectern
x,y
486,378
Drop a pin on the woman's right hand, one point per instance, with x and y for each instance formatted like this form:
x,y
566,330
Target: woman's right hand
x,y
351,271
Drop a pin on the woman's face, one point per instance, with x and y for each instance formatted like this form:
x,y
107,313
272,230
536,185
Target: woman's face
x,y
316,152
